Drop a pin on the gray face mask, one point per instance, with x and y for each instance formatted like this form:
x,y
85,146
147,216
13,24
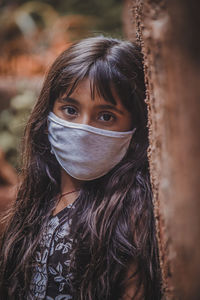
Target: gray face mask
x,y
86,152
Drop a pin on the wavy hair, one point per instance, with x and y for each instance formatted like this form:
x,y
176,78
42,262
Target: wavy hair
x,y
113,223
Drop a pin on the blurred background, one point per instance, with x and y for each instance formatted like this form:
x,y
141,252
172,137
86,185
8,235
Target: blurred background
x,y
32,34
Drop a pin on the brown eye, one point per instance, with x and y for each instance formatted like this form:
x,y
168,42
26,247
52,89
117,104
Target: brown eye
x,y
69,110
106,117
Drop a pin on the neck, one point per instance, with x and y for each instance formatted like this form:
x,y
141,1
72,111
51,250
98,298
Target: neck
x,y
69,183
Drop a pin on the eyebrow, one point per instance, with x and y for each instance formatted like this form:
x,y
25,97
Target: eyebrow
x,y
101,106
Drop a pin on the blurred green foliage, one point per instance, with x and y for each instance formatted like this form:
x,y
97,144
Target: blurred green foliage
x,y
12,124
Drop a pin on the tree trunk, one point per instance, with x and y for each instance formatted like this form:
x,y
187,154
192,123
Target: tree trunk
x,y
168,33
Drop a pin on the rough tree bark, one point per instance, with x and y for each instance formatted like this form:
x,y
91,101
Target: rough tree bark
x,y
168,33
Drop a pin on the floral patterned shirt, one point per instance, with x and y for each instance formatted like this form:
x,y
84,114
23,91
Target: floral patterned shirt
x,y
50,279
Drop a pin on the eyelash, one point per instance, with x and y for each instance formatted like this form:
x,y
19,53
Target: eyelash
x,y
102,113
65,107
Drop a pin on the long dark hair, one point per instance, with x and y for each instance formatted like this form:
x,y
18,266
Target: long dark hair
x,y
113,223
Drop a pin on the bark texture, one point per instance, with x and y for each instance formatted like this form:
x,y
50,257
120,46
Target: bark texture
x,y
169,34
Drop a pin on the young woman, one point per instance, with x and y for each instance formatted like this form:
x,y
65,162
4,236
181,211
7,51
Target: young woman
x,y
82,226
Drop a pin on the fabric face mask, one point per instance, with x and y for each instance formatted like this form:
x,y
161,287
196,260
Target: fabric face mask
x,y
86,152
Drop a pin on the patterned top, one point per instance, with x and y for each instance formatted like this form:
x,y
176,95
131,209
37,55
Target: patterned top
x,y
50,279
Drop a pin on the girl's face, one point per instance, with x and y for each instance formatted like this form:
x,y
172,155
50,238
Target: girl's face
x,y
80,108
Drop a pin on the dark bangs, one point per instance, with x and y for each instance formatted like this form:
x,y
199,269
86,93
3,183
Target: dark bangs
x,y
105,81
